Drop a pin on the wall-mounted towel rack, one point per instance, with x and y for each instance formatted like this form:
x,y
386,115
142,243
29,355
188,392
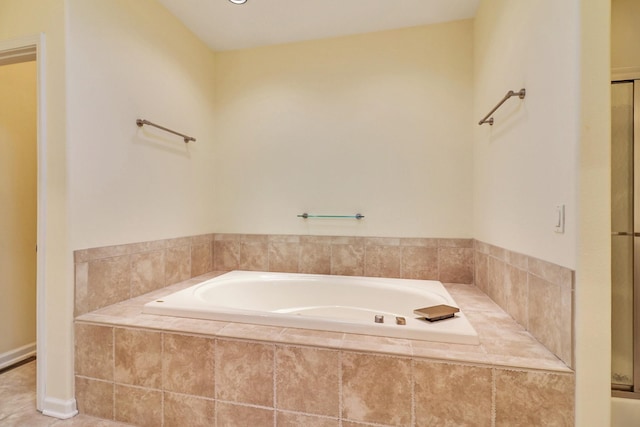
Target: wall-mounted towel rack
x,y
306,215
187,138
520,94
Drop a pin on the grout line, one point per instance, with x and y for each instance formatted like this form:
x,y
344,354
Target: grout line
x,y
340,388
113,372
493,397
275,382
162,385
413,392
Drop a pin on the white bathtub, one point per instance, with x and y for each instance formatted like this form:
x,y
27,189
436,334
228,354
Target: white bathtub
x,y
321,302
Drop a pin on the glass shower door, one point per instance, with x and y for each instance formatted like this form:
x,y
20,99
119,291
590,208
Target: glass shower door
x,y
625,231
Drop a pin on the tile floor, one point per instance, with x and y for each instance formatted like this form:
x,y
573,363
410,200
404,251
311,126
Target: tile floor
x,y
18,403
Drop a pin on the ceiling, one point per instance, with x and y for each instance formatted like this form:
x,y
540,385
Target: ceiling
x,y
223,25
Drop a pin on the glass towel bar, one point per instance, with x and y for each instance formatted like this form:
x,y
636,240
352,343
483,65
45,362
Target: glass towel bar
x,y
306,215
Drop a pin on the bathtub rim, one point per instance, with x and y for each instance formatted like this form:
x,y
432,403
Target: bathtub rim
x,y
457,330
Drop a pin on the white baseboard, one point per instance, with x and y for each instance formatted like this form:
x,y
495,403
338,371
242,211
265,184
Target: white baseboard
x,y
58,408
17,355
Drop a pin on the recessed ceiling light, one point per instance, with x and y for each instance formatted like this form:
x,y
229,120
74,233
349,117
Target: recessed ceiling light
x,y
238,1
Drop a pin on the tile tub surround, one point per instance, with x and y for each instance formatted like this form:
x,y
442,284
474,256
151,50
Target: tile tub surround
x,y
537,294
156,370
108,275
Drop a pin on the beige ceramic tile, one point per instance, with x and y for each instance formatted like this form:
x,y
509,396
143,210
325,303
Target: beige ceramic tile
x,y
497,252
244,372
283,257
177,264
455,265
493,325
188,365
292,238
201,259
226,254
382,261
254,255
452,395
180,411
202,239
419,262
470,298
196,326
147,272
315,258
311,337
534,399
518,295
81,288
347,260
545,320
455,243
307,380
137,406
381,241
517,260
95,397
178,242
251,332
521,344
377,344
421,242
450,352
552,273
482,271
230,415
347,240
94,351
515,362
314,240
138,357
376,389
81,420
481,247
495,281
108,282
288,419
92,254
154,245
229,237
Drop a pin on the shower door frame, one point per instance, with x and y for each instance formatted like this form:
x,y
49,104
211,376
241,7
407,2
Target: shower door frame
x,y
633,391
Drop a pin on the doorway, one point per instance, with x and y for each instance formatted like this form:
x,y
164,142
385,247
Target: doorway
x,y
17,51
18,219
625,238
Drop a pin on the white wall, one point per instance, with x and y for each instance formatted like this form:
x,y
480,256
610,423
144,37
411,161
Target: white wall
x,y
551,148
377,124
20,19
525,164
128,60
593,271
18,200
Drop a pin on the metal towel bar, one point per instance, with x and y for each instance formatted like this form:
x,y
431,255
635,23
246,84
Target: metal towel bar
x,y
521,94
187,138
306,215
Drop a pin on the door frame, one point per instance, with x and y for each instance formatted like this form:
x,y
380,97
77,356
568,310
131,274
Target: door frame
x,y
23,49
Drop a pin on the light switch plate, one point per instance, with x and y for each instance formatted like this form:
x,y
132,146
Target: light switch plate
x,y
559,219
